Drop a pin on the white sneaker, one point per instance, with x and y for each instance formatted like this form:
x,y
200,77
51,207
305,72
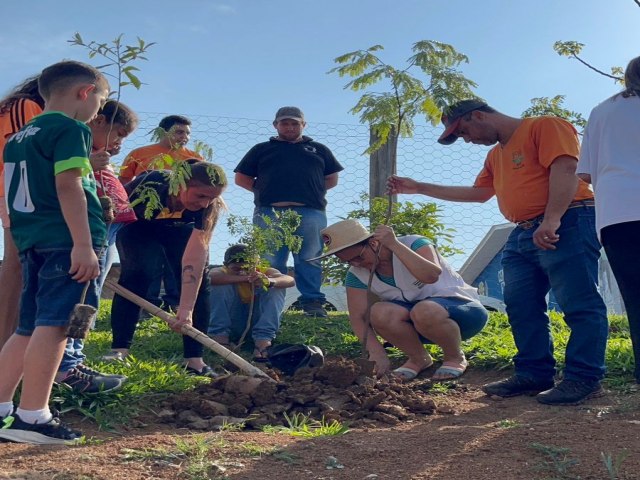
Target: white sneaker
x,y
113,356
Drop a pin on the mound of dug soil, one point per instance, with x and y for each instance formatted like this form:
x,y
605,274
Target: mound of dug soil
x,y
341,389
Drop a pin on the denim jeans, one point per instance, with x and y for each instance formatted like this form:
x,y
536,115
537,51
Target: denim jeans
x,y
229,315
49,294
73,354
46,270
109,254
572,272
308,275
469,315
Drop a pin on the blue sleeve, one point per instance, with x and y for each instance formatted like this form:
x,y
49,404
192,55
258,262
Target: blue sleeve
x,y
419,243
354,282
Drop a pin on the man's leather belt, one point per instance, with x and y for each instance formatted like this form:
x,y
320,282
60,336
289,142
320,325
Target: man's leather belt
x,y
527,224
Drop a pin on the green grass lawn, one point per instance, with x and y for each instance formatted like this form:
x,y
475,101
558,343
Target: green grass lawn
x,y
154,366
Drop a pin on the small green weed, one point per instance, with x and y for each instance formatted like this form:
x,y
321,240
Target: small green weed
x,y
557,461
612,464
507,423
301,425
285,457
255,450
232,426
191,454
149,454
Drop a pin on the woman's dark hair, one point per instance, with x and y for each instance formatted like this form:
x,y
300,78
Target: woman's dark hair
x,y
632,79
118,112
27,89
167,122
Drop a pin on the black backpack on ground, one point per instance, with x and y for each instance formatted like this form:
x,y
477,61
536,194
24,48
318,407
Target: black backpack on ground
x,y
289,357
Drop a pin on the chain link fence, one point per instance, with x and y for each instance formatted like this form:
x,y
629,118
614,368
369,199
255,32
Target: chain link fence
x,y
419,157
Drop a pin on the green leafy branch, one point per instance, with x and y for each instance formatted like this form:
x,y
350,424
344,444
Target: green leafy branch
x,y
278,232
554,106
118,55
572,49
395,110
177,177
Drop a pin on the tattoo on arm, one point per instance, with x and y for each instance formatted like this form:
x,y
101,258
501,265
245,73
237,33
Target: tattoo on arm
x,y
188,275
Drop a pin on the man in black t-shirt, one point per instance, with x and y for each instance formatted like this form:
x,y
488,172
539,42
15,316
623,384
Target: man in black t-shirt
x,y
291,171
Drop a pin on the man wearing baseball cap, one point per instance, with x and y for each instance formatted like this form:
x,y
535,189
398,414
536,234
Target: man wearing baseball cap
x,y
291,171
531,171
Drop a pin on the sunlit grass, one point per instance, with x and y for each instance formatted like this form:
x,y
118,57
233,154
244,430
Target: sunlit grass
x,y
154,368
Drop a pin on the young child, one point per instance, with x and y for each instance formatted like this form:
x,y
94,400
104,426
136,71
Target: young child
x,y
57,225
114,122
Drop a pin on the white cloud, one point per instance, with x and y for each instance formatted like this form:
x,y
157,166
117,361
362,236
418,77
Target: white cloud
x,y
223,8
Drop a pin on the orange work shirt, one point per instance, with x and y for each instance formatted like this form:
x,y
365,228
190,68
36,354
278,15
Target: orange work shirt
x,y
518,172
11,122
151,158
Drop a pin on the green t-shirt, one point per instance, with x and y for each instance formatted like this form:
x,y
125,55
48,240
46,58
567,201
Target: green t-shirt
x,y
49,144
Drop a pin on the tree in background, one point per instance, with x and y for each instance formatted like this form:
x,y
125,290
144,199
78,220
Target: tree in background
x,y
553,106
391,113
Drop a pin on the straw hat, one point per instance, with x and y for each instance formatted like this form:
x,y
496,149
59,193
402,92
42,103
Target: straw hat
x,y
342,235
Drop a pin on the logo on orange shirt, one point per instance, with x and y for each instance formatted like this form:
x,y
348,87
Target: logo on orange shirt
x,y
518,160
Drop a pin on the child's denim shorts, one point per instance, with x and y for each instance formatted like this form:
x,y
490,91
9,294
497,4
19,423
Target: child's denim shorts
x,y
48,291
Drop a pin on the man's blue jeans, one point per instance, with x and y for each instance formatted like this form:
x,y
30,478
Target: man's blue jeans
x,y
229,315
572,272
308,275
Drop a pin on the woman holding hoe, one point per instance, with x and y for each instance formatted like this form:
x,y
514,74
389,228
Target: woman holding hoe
x,y
177,225
422,299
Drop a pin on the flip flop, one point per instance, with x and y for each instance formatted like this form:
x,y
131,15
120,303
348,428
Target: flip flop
x,y
407,374
449,371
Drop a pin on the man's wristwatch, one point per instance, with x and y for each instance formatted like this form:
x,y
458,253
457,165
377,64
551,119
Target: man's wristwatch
x,y
272,283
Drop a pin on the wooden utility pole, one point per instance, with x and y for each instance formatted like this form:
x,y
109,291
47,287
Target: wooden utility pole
x,y
382,165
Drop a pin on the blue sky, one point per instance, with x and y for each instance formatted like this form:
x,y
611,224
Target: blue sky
x,y
243,59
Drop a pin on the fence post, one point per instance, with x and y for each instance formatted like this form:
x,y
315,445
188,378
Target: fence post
x,y
382,164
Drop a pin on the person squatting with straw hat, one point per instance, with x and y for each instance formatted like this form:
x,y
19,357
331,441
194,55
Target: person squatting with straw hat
x,y
422,299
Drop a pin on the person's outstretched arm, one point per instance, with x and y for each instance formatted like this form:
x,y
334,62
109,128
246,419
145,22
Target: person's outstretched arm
x,y
396,184
193,263
357,305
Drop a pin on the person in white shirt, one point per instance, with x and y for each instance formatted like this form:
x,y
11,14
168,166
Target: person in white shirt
x,y
610,161
422,299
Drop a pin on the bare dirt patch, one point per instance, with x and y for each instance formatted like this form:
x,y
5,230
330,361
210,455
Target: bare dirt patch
x,y
462,435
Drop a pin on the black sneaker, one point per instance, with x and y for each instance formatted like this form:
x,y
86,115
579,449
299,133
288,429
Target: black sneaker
x,y
571,392
516,385
314,309
91,371
50,433
85,383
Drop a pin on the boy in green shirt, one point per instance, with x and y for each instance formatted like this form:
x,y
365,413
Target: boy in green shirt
x,y
57,226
